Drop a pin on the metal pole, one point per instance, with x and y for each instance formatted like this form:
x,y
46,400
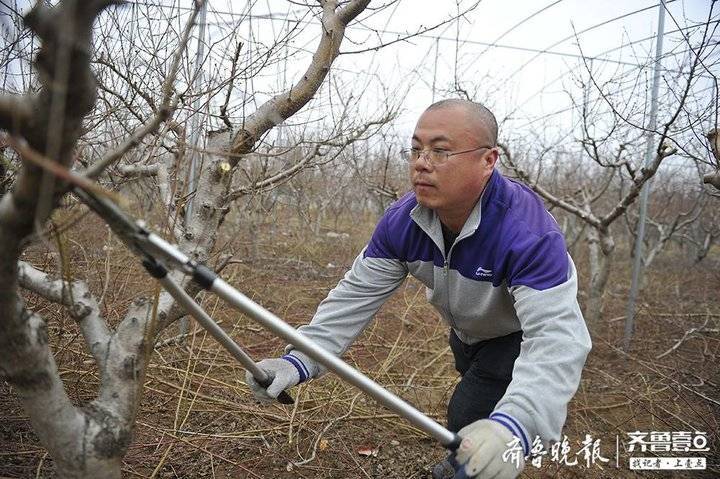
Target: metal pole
x,y
155,246
219,334
645,192
437,51
276,325
195,120
184,325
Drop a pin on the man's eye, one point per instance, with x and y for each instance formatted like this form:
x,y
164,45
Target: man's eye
x,y
415,149
439,151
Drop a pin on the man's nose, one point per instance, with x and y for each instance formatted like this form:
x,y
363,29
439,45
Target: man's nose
x,y
423,162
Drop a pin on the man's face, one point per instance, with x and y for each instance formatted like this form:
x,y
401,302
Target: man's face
x,y
453,187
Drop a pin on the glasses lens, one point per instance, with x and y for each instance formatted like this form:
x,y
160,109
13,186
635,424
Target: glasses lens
x,y
409,154
437,156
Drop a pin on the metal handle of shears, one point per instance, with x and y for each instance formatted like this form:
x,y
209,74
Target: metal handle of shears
x,y
214,329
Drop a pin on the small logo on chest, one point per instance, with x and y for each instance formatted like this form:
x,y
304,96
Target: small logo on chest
x,y
483,273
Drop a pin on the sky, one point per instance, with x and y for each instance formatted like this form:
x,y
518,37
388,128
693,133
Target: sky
x,y
520,58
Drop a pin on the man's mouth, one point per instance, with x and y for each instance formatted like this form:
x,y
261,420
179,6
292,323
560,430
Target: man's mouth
x,y
423,183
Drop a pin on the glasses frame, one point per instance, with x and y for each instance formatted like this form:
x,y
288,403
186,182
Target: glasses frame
x,y
427,153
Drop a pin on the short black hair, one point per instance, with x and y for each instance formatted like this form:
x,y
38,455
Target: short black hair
x,y
480,111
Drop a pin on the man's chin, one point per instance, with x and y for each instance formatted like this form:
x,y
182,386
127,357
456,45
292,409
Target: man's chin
x,y
424,200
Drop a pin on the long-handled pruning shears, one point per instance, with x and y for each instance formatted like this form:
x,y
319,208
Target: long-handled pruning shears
x,y
159,257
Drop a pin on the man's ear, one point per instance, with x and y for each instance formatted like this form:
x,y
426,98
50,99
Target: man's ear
x,y
491,158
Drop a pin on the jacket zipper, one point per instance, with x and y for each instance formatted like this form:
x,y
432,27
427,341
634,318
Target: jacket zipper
x,y
446,272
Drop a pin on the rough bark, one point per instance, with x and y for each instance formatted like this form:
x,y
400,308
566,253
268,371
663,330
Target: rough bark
x,y
601,247
712,179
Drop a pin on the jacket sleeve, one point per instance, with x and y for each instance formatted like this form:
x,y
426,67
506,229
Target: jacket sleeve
x,y
340,318
556,342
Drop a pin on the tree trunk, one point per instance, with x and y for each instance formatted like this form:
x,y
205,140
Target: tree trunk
x,y
601,246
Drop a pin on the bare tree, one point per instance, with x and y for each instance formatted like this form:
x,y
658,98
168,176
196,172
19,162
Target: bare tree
x,y
378,171
604,188
677,204
90,440
702,234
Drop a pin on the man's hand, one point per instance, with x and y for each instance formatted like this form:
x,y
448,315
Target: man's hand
x,y
281,372
482,448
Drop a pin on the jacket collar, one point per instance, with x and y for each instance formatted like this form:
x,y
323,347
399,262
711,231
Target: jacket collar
x,y
429,222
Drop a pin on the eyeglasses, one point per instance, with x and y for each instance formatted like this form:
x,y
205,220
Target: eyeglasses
x,y
434,155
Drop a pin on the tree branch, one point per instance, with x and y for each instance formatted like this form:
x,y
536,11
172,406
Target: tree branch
x,y
163,112
348,13
645,174
712,179
138,171
274,180
76,296
281,107
584,215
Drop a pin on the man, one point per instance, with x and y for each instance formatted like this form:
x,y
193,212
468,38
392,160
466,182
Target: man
x,y
496,268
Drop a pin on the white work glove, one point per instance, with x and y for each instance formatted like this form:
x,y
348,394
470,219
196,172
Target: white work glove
x,y
481,451
284,374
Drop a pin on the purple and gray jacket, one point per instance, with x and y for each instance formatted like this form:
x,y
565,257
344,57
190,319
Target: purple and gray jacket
x,y
508,270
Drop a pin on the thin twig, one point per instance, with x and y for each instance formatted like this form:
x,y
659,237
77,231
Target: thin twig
x,y
163,112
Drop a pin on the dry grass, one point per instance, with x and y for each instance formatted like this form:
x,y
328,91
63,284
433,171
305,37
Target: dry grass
x,y
199,420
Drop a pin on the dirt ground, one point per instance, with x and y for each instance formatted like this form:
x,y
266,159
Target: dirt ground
x,y
198,419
